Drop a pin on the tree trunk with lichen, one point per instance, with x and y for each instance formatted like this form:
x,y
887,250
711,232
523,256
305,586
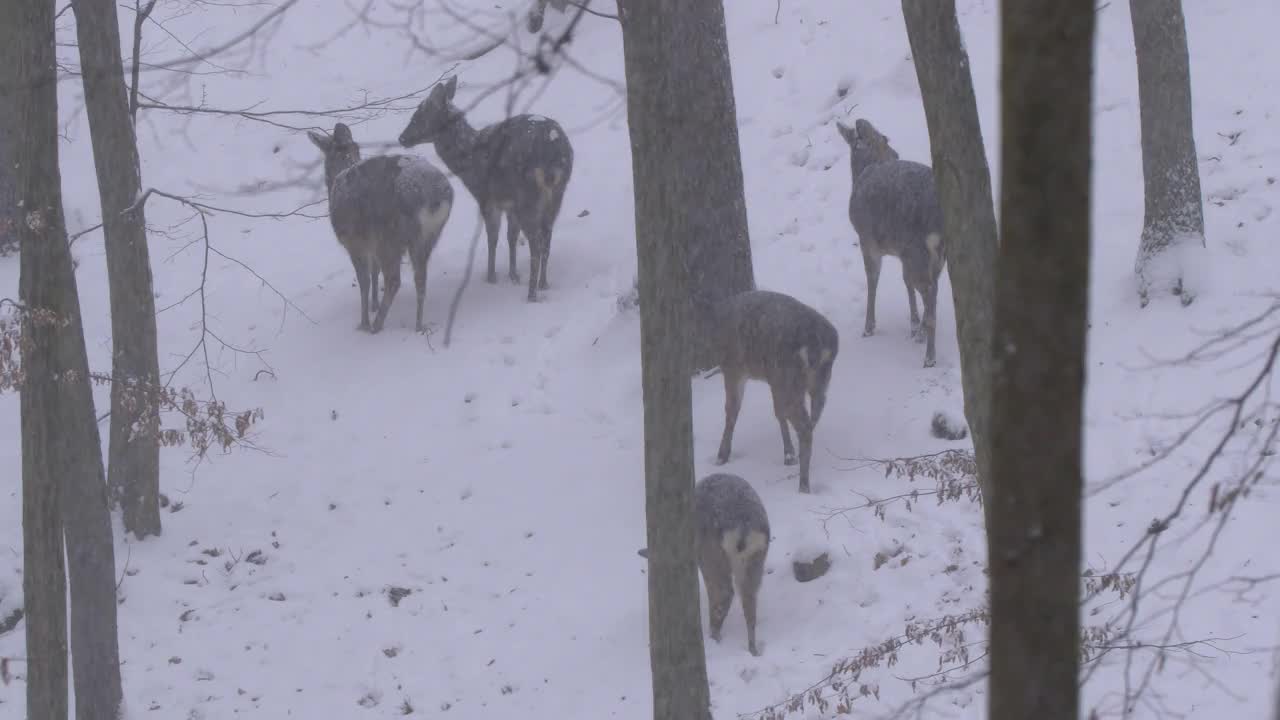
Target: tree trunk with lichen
x,y
964,189
1174,212
1038,352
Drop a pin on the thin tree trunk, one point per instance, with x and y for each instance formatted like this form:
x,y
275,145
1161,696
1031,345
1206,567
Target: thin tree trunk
x,y
134,455
964,189
702,128
1042,281
8,178
1174,215
52,352
668,216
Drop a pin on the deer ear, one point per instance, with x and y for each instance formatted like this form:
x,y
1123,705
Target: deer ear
x,y
450,87
342,134
320,141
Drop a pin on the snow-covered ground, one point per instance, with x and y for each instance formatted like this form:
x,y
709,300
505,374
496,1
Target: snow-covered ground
x,y
499,481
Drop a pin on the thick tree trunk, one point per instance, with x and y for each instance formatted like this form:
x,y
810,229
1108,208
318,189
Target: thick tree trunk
x,y
702,132
1174,216
52,346
669,216
134,456
964,189
1042,281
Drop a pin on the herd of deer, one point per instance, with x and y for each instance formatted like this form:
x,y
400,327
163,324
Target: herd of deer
x,y
382,206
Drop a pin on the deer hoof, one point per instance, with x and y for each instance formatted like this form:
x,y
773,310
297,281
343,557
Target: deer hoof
x,y
491,278
868,332
722,459
788,459
804,488
753,650
515,277
929,362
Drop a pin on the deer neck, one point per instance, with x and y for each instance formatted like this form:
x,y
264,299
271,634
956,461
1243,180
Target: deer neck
x,y
458,147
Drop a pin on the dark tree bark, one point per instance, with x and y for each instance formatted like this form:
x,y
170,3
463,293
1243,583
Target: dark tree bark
x,y
1174,214
53,356
964,189
134,455
702,146
8,178
1042,280
669,215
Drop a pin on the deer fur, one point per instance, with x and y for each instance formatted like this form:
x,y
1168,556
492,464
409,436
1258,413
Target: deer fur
x,y
894,210
381,207
773,337
731,544
519,166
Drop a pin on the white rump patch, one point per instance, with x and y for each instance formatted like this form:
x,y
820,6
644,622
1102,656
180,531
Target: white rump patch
x,y
432,222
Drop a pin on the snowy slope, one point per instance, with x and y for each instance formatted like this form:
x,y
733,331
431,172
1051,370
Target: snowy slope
x,y
499,481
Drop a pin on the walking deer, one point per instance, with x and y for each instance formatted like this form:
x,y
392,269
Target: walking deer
x,y
519,166
380,207
894,209
773,337
731,543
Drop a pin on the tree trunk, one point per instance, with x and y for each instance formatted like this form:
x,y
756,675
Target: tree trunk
x,y
1042,280
702,129
53,355
8,178
1174,216
669,215
964,189
134,455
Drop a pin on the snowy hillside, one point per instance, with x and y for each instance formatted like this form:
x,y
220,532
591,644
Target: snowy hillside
x,y
451,532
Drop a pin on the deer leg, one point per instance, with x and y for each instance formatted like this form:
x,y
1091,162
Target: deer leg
x,y
373,285
780,410
870,263
930,295
535,257
911,302
734,386
800,420
546,256
492,221
389,259
749,586
513,237
361,265
717,576
420,283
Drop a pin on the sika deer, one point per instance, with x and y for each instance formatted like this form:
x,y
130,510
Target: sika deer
x,y
894,209
731,543
776,338
519,166
379,208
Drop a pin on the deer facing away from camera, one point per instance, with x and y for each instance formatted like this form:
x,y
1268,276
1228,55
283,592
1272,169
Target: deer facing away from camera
x,y
731,544
773,337
519,166
380,207
894,209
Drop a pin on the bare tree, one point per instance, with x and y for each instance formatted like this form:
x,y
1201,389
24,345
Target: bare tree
x,y
8,178
1174,215
134,456
964,190
703,151
1037,402
669,215
60,452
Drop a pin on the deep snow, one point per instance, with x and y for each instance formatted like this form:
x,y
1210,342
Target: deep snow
x,y
499,481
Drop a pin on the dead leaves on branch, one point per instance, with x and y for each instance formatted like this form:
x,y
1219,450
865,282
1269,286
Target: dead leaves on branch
x,y
204,425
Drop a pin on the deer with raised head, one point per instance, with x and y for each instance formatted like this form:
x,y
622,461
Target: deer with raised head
x,y
894,209
381,207
519,167
773,337
731,544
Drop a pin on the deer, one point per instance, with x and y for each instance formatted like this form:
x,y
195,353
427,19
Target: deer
x,y
731,544
894,210
519,166
769,336
381,207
